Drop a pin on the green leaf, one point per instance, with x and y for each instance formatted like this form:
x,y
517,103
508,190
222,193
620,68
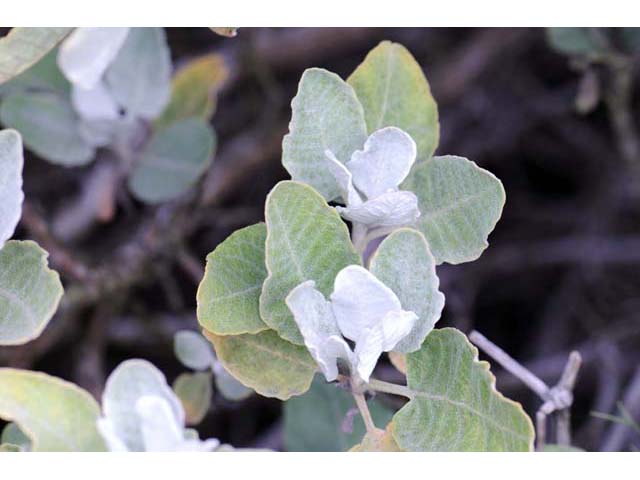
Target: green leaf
x,y
404,263
29,292
228,296
395,93
172,161
306,240
225,31
194,391
326,115
11,195
194,88
270,365
23,47
460,204
228,386
12,435
454,405
140,75
630,38
576,41
48,126
193,350
44,75
56,415
10,447
314,422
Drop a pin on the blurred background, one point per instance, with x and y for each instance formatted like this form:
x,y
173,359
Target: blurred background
x,y
561,272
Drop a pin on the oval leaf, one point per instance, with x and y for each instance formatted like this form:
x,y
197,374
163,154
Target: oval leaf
x,y
454,405
404,264
172,161
271,366
29,292
140,75
326,115
306,240
394,92
460,204
48,126
194,391
56,415
193,350
320,420
11,195
228,296
23,47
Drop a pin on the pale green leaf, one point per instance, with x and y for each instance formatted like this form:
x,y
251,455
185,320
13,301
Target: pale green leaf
x,y
378,441
552,447
140,75
11,195
404,263
23,47
228,296
394,92
29,292
48,126
193,350
270,365
306,240
326,115
12,435
317,421
225,31
228,386
44,75
454,405
586,41
56,415
460,204
9,447
172,161
194,391
194,88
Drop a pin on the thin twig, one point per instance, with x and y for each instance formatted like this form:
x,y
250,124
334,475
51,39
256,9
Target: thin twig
x,y
361,402
391,388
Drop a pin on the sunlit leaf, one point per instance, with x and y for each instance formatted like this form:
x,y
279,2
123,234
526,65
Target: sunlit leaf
x,y
48,126
225,31
11,195
306,240
23,47
326,115
270,365
172,161
56,415
454,405
194,88
194,391
228,296
404,263
29,292
460,204
394,92
324,419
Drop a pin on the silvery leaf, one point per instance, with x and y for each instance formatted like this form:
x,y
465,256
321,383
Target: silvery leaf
x,y
228,386
382,337
160,430
11,195
108,433
343,178
87,53
317,324
130,381
384,163
193,350
94,103
392,209
360,301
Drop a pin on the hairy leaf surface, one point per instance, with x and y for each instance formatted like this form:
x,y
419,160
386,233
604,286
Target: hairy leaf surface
x,y
11,195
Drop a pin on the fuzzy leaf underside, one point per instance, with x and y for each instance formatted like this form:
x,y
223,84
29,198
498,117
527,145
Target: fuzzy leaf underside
x,y
229,293
394,92
265,362
56,415
29,292
306,240
460,204
454,405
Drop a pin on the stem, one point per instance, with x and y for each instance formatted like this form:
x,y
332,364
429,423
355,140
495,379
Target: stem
x,y
391,388
510,364
364,411
359,237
